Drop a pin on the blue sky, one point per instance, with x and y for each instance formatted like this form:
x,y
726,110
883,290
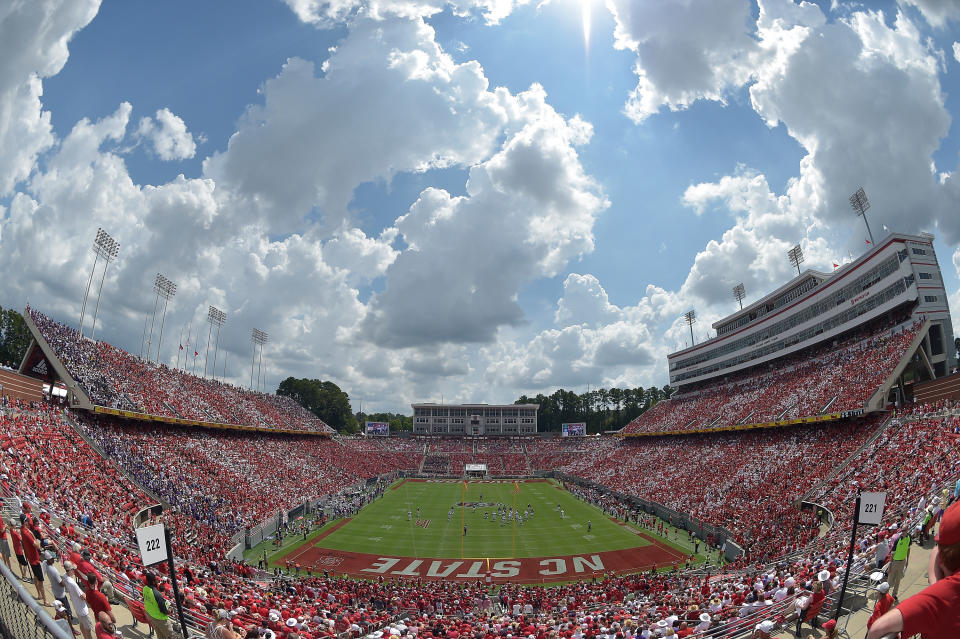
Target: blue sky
x,y
463,197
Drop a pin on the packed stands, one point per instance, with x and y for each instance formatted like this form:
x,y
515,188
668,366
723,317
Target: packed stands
x,y
767,468
114,378
832,378
717,478
226,481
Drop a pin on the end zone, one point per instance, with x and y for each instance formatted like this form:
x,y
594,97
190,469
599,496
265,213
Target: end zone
x,y
314,558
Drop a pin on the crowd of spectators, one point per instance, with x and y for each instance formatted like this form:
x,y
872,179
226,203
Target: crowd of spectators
x,y
718,478
768,469
114,378
832,377
225,481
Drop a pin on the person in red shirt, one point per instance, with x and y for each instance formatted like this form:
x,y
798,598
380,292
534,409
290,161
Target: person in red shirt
x,y
934,612
31,550
18,550
97,600
884,603
4,546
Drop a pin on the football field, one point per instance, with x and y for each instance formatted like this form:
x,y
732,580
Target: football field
x,y
446,529
383,526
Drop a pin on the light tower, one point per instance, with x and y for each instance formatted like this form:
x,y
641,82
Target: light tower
x,y
106,247
795,255
259,338
110,251
218,317
690,317
739,292
167,290
860,204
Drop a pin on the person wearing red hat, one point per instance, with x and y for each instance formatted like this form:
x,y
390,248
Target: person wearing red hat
x,y
934,612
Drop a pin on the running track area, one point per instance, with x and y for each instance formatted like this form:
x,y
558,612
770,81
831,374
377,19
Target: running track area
x,y
527,570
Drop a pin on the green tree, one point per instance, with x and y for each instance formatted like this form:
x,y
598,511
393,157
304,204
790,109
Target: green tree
x,y
323,399
14,337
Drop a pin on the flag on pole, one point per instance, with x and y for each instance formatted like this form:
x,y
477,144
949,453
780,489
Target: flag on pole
x,y
181,347
885,228
195,353
835,265
868,241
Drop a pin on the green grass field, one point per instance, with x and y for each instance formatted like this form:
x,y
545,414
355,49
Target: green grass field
x,y
382,527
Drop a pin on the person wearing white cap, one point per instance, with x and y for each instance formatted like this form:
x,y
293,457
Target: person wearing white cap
x,y
884,603
763,630
704,623
78,600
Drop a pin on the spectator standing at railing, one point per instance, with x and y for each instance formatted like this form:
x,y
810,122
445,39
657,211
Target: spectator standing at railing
x,y
934,612
4,545
57,583
901,556
31,550
78,601
97,600
156,608
884,604
17,544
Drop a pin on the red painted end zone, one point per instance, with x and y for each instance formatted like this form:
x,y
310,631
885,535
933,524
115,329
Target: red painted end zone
x,y
520,570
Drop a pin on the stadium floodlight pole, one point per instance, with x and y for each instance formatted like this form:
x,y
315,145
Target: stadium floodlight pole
x,y
795,255
739,292
860,204
86,292
260,366
216,345
169,289
218,317
109,249
690,317
143,337
258,338
156,289
213,317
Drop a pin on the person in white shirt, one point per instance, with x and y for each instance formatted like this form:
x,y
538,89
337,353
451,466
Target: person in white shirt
x,y
78,600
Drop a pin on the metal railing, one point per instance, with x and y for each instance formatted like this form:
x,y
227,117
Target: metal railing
x,y
21,617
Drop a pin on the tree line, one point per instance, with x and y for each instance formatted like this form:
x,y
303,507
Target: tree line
x,y
14,337
601,409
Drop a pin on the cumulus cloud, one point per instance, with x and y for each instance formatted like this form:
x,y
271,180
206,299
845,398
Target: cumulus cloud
x,y
595,342
937,12
686,51
168,135
390,100
33,45
328,13
862,97
529,209
584,301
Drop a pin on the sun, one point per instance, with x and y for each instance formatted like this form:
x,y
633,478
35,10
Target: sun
x,y
585,8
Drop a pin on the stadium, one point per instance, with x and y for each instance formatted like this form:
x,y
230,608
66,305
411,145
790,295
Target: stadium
x,y
725,511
